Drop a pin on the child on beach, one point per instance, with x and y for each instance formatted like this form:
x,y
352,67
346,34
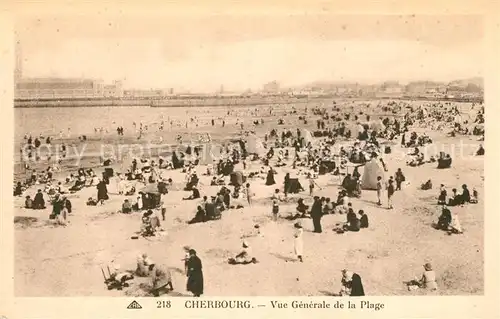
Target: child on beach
x,y
379,190
276,209
390,192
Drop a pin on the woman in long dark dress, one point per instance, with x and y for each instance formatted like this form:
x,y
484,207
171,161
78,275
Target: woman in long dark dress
x,y
194,274
270,177
102,192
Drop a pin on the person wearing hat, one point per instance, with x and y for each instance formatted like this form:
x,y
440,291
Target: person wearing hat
x,y
245,256
143,262
428,279
194,274
298,243
161,279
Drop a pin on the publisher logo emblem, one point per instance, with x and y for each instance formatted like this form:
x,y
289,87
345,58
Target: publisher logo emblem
x,y
134,305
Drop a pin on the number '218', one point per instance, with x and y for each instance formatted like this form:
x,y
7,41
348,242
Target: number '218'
x,y
163,304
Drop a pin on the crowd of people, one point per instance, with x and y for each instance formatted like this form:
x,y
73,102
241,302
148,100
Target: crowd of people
x,y
145,186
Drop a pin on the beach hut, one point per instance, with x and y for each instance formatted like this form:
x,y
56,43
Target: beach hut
x,y
255,146
372,170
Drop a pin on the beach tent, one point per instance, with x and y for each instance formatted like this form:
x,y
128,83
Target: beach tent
x,y
254,145
372,170
209,154
237,178
308,137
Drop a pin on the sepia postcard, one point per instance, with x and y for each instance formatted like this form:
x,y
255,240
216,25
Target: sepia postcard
x,y
266,159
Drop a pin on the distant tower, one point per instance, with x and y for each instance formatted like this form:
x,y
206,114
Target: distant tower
x,y
221,89
18,72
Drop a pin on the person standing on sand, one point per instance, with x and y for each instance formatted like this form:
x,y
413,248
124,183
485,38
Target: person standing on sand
x,y
102,192
379,190
298,243
390,193
163,204
249,193
194,274
316,214
400,178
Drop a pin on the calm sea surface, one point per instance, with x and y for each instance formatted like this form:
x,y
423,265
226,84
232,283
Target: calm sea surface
x,y
83,120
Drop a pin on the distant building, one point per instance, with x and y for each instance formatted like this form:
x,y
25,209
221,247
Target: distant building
x,y
143,93
40,88
271,87
59,88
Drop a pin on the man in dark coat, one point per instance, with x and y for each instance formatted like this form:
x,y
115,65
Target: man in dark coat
x,y
316,214
194,274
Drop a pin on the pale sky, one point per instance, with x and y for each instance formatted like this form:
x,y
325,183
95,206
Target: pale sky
x,y
203,53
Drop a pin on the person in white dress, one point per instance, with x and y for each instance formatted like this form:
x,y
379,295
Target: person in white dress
x,y
455,226
298,243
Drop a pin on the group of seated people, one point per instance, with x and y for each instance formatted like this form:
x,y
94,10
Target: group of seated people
x,y
417,159
457,199
353,223
340,206
150,223
36,203
84,178
448,222
212,209
352,184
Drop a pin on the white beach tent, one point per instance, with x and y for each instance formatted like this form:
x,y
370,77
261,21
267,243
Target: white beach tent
x,y
308,137
372,170
254,145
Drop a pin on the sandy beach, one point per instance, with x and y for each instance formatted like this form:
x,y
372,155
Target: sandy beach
x,y
52,260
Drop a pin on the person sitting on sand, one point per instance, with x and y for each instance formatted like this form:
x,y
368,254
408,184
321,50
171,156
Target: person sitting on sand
x,y
28,203
143,262
428,280
465,196
126,207
161,279
18,190
328,206
444,220
454,198
213,182
455,226
244,257
342,203
117,278
474,198
194,195
363,220
426,186
353,223
351,284
480,151
38,201
444,161
200,216
150,224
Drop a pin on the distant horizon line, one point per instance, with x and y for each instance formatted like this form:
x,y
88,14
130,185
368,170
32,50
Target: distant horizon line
x,y
229,89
